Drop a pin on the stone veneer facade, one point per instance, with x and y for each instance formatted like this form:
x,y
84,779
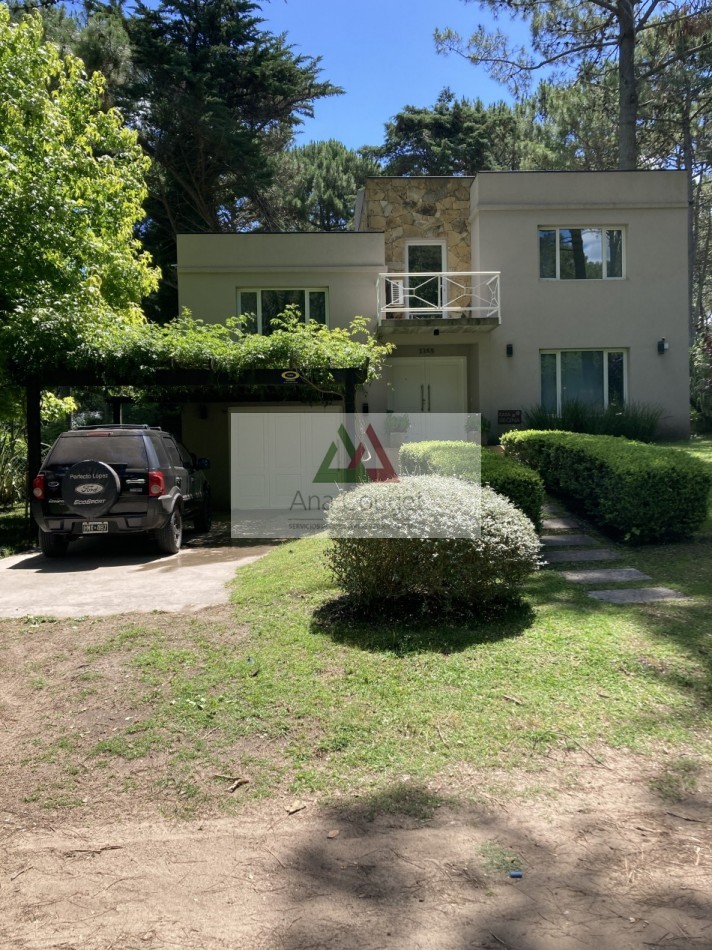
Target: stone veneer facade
x,y
428,208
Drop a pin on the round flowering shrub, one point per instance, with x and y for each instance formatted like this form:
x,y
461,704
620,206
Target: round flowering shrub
x,y
429,536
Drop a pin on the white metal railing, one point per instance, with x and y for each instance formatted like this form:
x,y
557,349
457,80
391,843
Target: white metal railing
x,y
444,295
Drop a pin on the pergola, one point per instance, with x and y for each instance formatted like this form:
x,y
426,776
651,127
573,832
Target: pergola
x,y
212,386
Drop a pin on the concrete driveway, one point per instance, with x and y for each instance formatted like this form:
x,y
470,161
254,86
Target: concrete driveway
x,y
102,576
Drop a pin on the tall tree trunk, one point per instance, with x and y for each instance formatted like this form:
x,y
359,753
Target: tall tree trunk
x,y
688,161
627,87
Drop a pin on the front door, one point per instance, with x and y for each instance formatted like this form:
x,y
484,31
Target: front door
x,y
422,384
425,293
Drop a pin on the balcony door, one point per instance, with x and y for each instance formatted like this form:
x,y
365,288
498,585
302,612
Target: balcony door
x,y
426,294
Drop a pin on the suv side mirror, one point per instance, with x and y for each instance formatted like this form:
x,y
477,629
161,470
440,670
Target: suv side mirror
x,y
202,463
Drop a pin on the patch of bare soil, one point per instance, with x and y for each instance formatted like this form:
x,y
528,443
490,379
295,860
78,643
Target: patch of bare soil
x,y
613,848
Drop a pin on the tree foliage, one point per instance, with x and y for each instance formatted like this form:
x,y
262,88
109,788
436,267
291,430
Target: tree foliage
x,y
216,100
454,137
317,185
136,351
585,36
71,190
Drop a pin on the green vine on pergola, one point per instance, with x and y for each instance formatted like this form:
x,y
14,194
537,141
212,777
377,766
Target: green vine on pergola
x,y
137,353
185,359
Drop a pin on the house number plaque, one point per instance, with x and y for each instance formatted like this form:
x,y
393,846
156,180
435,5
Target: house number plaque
x,y
509,417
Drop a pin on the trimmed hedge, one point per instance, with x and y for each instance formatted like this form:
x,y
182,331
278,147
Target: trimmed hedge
x,y
482,550
523,487
645,493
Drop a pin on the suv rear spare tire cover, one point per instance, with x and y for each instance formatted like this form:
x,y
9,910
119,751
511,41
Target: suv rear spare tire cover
x,y
90,488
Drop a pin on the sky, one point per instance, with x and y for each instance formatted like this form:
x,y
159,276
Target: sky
x,y
382,53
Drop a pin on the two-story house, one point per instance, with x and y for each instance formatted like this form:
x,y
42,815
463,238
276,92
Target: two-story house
x,y
499,291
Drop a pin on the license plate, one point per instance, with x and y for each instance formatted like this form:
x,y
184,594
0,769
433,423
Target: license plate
x,y
95,527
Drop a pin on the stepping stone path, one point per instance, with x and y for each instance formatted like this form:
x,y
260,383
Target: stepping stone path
x,y
611,575
566,540
586,548
637,595
587,554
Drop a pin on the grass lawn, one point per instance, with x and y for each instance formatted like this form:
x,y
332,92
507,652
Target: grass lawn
x,y
285,691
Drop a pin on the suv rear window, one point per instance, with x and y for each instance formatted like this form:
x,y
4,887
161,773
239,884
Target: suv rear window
x,y
121,449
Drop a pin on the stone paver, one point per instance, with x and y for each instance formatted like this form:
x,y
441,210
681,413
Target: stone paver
x,y
585,550
560,524
587,554
610,575
563,540
639,595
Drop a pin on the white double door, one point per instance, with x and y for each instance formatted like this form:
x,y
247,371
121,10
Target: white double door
x,y
423,386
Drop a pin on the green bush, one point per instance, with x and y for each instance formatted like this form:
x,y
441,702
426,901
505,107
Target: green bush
x,y
523,487
488,564
634,420
643,492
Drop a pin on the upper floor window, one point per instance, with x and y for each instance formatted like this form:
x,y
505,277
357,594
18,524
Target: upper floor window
x,y
264,304
581,253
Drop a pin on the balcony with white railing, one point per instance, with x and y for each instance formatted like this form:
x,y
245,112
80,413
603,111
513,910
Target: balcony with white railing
x,y
464,300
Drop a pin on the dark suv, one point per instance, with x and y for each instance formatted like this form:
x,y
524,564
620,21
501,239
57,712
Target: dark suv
x,y
119,479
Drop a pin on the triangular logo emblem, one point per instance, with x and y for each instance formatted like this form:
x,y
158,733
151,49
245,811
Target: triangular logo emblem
x,y
355,470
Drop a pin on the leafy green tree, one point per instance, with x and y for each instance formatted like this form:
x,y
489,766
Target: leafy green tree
x,y
102,43
454,137
676,132
701,381
71,190
585,36
317,185
573,126
216,100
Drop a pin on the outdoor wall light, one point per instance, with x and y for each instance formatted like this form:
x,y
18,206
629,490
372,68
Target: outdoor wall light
x,y
662,346
510,349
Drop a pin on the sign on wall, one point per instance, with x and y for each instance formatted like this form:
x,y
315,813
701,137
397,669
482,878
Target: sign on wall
x,y
509,417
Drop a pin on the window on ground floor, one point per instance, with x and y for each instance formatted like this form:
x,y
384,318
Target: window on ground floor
x,y
262,305
596,378
581,253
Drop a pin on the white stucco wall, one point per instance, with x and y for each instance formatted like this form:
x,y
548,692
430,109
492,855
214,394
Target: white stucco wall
x,y
649,303
213,267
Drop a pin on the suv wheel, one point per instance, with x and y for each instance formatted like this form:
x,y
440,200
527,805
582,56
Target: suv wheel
x,y
170,536
53,545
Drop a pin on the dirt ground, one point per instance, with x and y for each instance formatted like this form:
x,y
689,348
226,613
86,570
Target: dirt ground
x,y
606,863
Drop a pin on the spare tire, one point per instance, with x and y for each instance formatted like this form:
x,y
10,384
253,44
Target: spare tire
x,y
90,488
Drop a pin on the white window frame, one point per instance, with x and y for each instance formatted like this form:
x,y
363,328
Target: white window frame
x,y
260,290
588,349
582,227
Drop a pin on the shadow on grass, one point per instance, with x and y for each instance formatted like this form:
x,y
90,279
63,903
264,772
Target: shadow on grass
x,y
416,625
688,626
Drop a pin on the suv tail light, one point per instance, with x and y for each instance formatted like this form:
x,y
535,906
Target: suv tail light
x,y
156,484
38,487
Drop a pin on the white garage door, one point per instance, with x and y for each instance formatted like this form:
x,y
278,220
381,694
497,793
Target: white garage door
x,y
275,455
